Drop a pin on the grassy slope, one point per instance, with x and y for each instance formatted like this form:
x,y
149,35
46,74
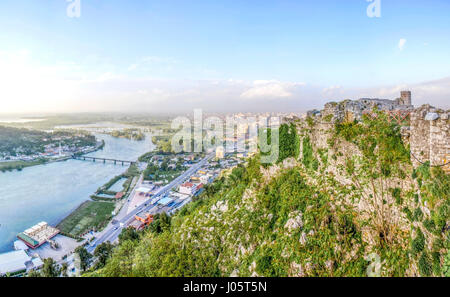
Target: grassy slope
x,y
87,216
298,220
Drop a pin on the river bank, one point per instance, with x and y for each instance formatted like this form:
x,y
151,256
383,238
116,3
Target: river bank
x,y
52,191
89,215
95,214
20,165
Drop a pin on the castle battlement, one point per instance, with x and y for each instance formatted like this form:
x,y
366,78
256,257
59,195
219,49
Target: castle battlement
x,y
428,132
349,110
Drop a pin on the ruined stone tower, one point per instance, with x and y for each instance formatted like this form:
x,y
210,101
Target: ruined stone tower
x,y
405,98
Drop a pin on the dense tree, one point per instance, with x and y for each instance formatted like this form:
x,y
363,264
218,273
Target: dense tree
x,y
34,273
288,141
50,268
103,252
128,234
161,222
122,262
64,268
85,257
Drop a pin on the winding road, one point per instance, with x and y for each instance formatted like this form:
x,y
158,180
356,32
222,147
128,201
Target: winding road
x,y
112,232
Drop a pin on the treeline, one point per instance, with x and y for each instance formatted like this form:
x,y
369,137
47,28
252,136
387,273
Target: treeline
x,y
19,165
132,134
30,142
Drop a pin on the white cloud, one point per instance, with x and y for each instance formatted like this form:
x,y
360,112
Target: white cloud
x,y
151,61
401,44
270,89
332,90
28,86
132,67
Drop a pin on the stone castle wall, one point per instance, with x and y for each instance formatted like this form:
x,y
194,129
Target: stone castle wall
x,y
350,110
428,133
430,136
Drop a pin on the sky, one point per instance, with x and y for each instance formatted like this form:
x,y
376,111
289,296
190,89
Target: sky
x,y
221,55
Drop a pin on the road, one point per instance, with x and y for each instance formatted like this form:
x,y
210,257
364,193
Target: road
x,y
112,233
129,201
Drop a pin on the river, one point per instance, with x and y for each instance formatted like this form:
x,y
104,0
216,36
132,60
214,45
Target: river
x,y
52,191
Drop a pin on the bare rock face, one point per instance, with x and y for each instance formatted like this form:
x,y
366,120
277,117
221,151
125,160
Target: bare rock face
x,y
297,270
221,206
303,238
431,116
289,163
295,222
329,265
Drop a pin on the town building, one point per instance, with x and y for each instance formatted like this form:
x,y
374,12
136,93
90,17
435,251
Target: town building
x,y
187,188
179,195
144,191
204,179
165,201
144,218
37,235
198,189
220,152
14,261
195,179
137,225
18,261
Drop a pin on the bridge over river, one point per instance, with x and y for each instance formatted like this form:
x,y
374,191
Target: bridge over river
x,y
104,160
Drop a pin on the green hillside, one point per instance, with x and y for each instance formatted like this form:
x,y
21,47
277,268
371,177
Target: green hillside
x,y
317,212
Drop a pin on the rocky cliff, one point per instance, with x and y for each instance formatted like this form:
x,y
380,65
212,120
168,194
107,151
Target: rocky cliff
x,y
349,202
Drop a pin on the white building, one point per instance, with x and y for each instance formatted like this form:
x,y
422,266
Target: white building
x,y
220,152
144,190
179,195
204,179
14,261
187,188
